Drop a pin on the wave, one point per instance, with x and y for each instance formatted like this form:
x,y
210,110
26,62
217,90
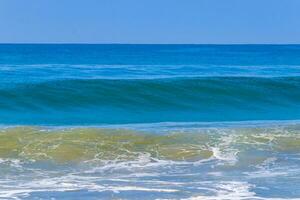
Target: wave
x,y
100,144
25,73
186,163
100,101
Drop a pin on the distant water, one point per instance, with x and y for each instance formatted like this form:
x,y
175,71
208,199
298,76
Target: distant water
x,y
150,121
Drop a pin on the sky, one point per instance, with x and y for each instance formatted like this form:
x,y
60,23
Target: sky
x,y
150,21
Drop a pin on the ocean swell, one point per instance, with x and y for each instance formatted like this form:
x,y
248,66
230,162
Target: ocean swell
x,y
101,101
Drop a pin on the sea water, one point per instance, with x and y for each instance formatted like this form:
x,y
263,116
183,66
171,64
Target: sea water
x,y
150,122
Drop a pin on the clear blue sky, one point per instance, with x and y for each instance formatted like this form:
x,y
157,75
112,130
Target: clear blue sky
x,y
150,21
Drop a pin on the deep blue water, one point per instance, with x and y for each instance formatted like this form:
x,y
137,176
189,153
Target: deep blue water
x,y
149,121
104,84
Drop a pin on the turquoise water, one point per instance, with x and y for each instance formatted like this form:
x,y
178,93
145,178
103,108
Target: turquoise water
x,y
149,121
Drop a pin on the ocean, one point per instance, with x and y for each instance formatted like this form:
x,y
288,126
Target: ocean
x,y
211,122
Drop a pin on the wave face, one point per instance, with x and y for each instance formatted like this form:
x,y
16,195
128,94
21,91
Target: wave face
x,y
100,101
189,122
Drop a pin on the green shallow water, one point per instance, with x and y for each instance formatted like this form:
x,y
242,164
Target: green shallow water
x,y
65,145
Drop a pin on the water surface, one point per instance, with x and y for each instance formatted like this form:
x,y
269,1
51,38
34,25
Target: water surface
x,y
149,121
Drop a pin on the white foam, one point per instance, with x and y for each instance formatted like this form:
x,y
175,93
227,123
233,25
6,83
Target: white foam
x,y
233,190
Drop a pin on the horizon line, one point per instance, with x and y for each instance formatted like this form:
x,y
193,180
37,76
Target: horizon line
x,y
116,43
